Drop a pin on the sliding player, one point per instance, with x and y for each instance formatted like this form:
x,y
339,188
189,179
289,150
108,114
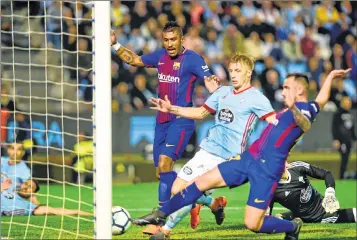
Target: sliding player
x,y
19,203
263,164
178,69
236,109
295,192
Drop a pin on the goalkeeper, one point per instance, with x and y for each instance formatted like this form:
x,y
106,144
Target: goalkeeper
x,y
297,194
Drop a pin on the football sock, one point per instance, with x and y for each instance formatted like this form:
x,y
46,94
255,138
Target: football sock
x,y
186,197
346,216
276,225
165,185
205,200
176,217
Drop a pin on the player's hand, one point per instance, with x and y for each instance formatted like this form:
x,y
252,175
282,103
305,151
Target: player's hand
x,y
290,98
336,144
340,73
6,184
212,83
160,104
113,38
330,202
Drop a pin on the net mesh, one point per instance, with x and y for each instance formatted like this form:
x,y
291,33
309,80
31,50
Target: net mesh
x,y
46,96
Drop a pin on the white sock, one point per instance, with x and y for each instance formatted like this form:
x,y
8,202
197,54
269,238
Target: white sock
x,y
176,217
354,213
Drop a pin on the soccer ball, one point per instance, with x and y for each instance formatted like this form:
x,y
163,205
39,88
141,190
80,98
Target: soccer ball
x,y
121,220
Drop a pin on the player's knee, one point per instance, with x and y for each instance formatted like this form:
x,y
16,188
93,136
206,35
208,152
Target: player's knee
x,y
165,163
175,190
251,224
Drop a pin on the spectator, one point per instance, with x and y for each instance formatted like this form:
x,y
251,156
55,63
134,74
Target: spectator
x,y
312,91
271,47
291,48
307,11
212,46
136,40
181,21
254,46
155,8
338,92
308,46
337,58
118,11
269,65
243,27
140,94
122,98
281,31
162,20
248,10
326,15
193,41
298,27
343,133
268,14
200,96
139,14
212,13
196,12
82,161
233,41
315,68
289,13
272,90
6,100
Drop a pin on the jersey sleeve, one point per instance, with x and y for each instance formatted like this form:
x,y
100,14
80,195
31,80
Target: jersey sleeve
x,y
262,106
315,172
211,103
25,172
310,111
199,67
152,59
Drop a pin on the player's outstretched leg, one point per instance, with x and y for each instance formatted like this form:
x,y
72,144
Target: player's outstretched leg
x,y
186,197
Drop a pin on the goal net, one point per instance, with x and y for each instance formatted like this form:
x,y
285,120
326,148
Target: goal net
x,y
47,105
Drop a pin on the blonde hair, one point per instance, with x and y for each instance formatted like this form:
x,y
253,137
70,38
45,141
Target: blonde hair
x,y
243,59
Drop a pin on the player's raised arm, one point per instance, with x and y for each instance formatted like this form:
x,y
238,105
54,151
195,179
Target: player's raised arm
x,y
186,112
125,54
325,91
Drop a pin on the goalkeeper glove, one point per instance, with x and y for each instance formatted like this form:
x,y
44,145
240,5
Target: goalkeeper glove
x,y
330,202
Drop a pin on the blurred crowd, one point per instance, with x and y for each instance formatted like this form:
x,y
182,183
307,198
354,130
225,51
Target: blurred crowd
x,y
286,36
282,37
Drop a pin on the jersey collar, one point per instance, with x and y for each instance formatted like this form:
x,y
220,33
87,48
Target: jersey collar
x,y
237,92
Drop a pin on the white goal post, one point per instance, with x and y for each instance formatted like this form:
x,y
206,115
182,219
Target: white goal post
x,y
103,120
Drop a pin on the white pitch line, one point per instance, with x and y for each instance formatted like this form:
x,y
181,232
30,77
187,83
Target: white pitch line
x,y
202,209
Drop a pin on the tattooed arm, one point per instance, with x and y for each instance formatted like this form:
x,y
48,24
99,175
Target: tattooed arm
x,y
301,120
125,54
130,57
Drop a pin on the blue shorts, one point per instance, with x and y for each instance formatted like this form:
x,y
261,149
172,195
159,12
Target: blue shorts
x,y
171,138
238,172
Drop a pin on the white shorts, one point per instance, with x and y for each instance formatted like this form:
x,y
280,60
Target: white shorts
x,y
201,163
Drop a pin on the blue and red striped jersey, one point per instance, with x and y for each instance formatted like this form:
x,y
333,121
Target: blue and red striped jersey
x,y
176,76
276,141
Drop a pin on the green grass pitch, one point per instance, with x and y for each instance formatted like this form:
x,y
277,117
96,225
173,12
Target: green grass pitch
x,y
140,198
